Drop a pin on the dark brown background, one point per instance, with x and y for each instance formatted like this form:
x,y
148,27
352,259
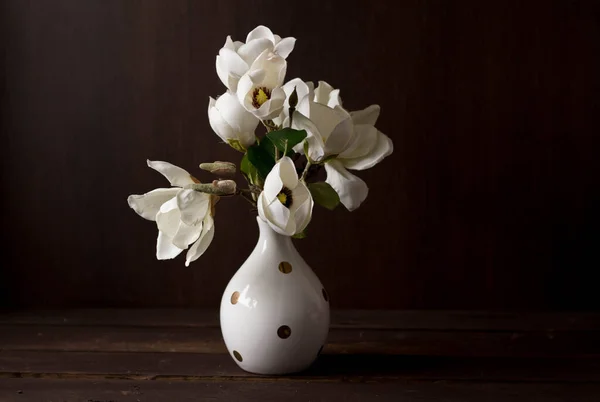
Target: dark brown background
x,y
489,201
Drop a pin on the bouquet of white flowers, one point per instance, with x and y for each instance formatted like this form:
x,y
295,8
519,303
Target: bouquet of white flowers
x,y
307,129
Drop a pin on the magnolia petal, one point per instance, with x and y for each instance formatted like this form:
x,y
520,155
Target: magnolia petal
x,y
229,108
383,148
165,249
351,189
232,62
316,145
299,196
186,235
273,184
274,66
169,205
334,99
276,215
365,140
340,137
303,215
251,50
168,221
219,125
222,72
201,245
193,206
285,47
260,32
368,115
326,118
257,76
147,205
176,175
238,118
322,92
244,88
287,172
229,43
281,218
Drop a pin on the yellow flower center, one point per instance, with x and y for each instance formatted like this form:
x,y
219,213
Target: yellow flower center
x,y
259,96
285,197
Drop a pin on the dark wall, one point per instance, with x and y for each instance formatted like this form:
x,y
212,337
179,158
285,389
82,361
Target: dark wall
x,y
489,201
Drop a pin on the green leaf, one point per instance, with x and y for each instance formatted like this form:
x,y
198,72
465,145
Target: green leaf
x,y
300,235
324,195
261,157
249,171
286,138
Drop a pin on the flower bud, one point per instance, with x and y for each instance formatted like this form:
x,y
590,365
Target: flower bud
x,y
225,187
217,187
219,168
293,99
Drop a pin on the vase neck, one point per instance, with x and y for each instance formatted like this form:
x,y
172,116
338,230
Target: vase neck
x,y
269,238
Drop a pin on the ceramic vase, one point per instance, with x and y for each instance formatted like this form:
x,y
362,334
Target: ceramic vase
x,y
274,311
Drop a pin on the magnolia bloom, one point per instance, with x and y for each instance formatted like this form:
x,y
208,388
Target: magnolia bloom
x,y
259,90
343,140
367,148
236,58
285,203
230,121
184,217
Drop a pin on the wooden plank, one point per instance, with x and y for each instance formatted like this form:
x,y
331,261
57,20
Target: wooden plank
x,y
151,366
359,319
267,390
374,341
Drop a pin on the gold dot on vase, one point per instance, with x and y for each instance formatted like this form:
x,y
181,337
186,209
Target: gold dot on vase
x,y
284,332
285,267
235,297
237,355
325,295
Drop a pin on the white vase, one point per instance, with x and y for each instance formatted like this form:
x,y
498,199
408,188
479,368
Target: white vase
x,y
275,311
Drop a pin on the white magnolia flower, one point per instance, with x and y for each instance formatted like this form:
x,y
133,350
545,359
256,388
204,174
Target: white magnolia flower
x,y
232,122
285,203
236,58
183,216
259,90
367,148
344,140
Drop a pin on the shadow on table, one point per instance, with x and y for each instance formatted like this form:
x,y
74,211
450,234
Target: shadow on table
x,y
374,365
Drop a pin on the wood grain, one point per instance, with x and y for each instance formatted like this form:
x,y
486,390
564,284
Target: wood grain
x,y
179,356
328,368
340,319
340,341
17,390
489,201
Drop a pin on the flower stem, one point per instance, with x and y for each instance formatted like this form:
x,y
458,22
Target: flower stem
x,y
247,195
308,165
269,125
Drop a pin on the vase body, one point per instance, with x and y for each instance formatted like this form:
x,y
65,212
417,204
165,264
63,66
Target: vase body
x,y
274,311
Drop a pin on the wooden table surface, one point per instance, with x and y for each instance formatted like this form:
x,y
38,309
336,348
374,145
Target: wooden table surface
x,y
178,355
